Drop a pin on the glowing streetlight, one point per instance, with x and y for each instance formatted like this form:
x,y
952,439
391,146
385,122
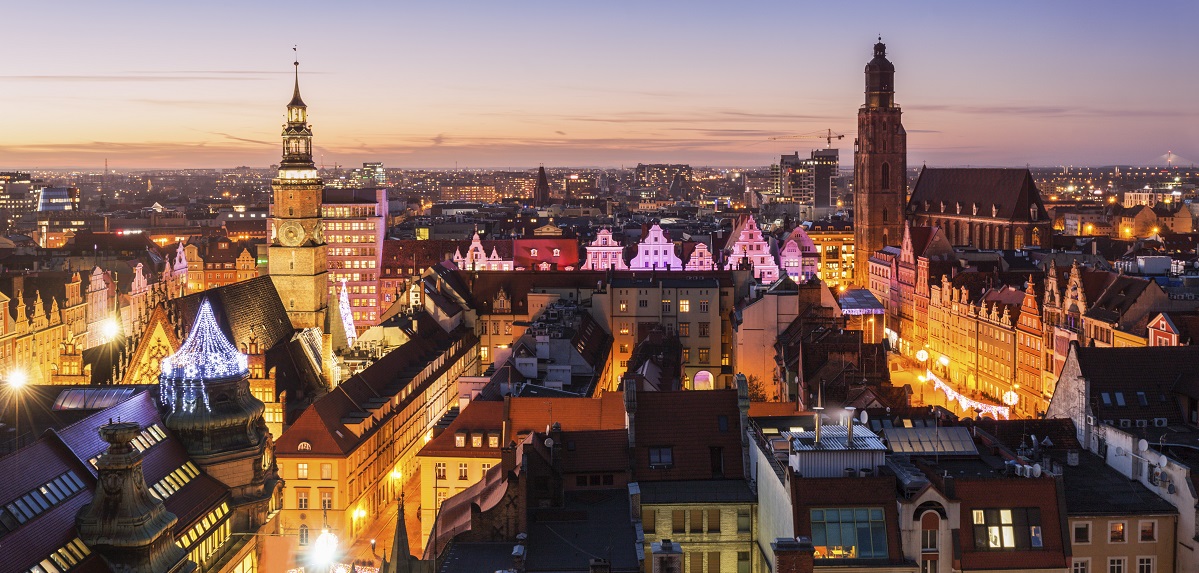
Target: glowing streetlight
x,y
109,329
943,360
16,382
922,356
17,379
324,549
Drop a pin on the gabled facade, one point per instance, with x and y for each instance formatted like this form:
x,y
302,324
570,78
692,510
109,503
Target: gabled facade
x,y
753,250
656,252
604,253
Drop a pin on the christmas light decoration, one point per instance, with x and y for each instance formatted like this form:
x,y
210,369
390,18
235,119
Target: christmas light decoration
x,y
967,403
206,355
347,316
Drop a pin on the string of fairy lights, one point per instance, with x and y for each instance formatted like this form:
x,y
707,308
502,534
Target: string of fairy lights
x,y
347,316
206,354
968,404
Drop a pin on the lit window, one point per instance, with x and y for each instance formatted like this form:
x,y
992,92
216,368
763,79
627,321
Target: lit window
x,y
326,500
850,533
302,471
684,305
326,471
476,440
1116,532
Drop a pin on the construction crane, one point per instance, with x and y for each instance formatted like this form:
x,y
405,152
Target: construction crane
x,y
829,136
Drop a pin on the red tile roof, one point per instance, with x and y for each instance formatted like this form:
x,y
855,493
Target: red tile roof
x,y
527,415
689,422
595,451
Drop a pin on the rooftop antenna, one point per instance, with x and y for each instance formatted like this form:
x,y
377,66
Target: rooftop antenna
x,y
819,408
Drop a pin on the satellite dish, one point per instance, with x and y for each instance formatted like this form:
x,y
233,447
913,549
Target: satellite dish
x,y
1119,451
1171,489
1036,470
863,417
1142,445
1163,461
549,442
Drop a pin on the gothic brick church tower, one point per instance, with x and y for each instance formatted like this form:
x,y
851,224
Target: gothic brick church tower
x,y
296,256
880,164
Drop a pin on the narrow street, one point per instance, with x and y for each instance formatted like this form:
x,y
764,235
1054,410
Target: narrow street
x,y
383,530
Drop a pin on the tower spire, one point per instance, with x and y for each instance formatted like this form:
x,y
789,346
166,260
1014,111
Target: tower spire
x,y
295,95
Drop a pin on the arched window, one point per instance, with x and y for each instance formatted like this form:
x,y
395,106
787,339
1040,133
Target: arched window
x,y
304,447
1036,237
929,526
886,215
886,176
303,534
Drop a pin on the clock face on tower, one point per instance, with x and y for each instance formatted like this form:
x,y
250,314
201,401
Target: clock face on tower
x,y
291,233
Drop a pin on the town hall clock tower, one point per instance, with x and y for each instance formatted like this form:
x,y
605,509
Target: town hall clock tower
x,y
296,256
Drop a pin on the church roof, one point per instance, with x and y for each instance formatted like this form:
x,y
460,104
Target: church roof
x,y
244,310
1011,191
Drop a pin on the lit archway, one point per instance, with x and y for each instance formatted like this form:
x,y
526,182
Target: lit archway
x,y
704,380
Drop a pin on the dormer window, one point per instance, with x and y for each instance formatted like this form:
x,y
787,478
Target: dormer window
x,y
557,252
533,252
304,447
493,440
460,440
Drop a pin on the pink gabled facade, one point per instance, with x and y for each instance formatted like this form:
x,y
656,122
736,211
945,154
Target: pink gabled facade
x,y
701,259
655,251
604,253
798,257
751,246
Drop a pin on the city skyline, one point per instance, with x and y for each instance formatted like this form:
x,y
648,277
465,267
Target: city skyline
x,y
493,87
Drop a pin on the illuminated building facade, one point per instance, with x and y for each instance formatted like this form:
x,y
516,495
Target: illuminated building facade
x,y
355,223
655,251
752,249
605,252
834,240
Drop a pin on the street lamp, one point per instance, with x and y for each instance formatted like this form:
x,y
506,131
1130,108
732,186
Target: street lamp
x,y
109,329
922,378
324,550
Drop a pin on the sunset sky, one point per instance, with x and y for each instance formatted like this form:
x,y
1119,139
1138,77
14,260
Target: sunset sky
x,y
154,84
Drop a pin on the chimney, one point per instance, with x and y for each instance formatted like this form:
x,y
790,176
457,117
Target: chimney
x,y
793,555
849,427
518,553
630,408
635,500
508,458
668,557
743,407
